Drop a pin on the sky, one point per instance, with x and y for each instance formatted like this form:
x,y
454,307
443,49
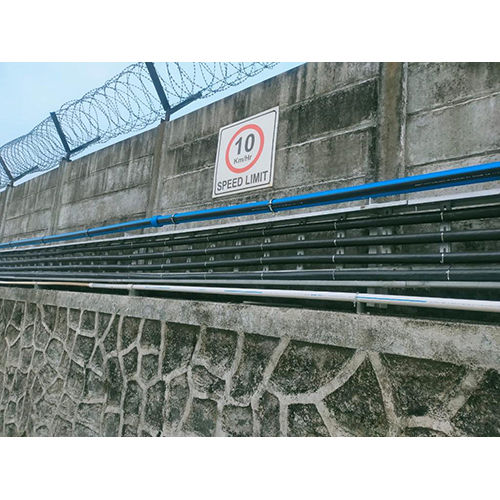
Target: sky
x,y
29,91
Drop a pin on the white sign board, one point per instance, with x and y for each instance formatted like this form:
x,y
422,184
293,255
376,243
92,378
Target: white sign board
x,y
245,154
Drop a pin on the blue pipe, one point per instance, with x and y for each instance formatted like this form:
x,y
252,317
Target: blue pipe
x,y
435,180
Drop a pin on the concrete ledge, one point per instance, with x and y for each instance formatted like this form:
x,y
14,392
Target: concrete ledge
x,y
473,344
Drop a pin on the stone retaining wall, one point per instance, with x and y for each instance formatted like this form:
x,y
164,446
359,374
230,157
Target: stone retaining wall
x,y
77,364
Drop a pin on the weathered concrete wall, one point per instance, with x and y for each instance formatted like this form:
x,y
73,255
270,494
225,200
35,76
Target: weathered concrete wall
x,y
79,364
340,124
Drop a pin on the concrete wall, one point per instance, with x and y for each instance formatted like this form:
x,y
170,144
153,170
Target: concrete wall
x,y
340,124
78,364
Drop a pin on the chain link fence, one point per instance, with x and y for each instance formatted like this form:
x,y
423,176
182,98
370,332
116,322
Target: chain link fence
x,y
136,98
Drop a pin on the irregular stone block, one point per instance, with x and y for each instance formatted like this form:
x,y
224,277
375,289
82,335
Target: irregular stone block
x,y
154,405
41,336
54,352
130,362
306,367
90,412
74,318
114,381
129,431
133,397
202,417
67,407
28,333
83,431
76,380
94,385
257,351
111,424
480,415
110,342
178,396
149,367
11,333
88,320
47,375
26,357
237,421
43,431
54,392
218,348
61,328
17,315
31,311
97,361
179,346
49,316
151,334
129,331
103,320
358,404
205,382
84,347
305,420
421,386
19,385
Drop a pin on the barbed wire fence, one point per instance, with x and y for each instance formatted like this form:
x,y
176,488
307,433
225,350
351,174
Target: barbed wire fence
x,y
134,99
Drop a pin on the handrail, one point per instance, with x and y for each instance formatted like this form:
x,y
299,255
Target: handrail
x,y
435,180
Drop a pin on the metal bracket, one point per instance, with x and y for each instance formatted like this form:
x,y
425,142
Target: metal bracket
x,y
13,179
64,141
160,91
7,171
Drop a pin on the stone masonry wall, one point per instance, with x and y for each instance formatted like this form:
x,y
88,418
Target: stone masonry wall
x,y
83,365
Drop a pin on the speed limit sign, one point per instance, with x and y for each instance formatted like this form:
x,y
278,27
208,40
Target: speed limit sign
x,y
245,154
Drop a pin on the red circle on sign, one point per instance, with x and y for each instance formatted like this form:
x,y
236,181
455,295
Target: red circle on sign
x,y
257,156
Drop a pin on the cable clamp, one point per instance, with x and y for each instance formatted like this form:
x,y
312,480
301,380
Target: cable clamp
x,y
270,206
333,259
448,275
154,221
442,258
172,219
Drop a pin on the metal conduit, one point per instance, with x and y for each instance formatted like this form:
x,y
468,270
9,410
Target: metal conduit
x,y
354,298
485,285
467,274
293,228
435,180
437,237
437,258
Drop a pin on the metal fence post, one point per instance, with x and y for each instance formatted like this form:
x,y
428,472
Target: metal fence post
x,y
159,89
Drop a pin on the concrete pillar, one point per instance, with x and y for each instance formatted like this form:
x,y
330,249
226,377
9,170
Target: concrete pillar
x,y
154,188
62,175
391,121
4,203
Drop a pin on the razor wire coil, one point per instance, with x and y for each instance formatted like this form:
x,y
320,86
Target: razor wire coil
x,y
126,103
